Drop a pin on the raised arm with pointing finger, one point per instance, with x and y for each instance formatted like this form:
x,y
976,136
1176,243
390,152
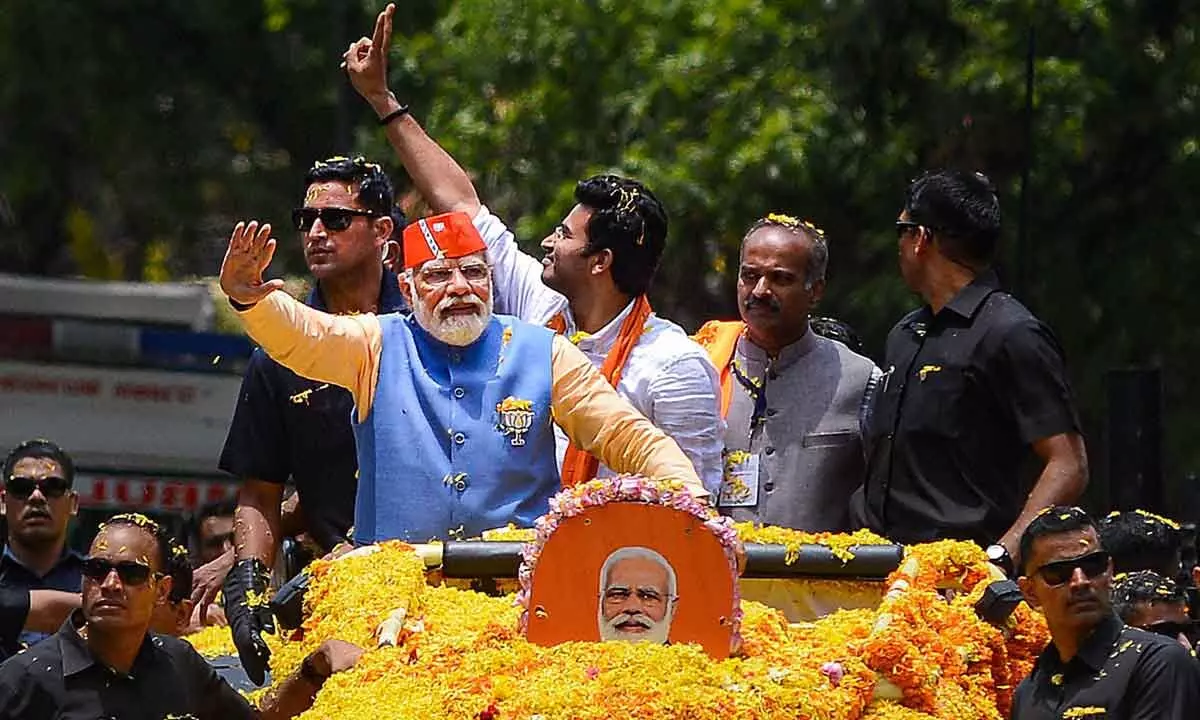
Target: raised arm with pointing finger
x,y
445,185
591,285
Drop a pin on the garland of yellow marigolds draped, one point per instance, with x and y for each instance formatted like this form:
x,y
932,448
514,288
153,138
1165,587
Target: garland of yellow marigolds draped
x,y
460,654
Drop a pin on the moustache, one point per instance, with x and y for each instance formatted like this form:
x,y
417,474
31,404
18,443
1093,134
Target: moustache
x,y
633,618
108,598
33,512
1082,597
753,303
451,303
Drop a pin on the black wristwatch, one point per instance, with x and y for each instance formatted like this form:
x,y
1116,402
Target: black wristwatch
x,y
998,555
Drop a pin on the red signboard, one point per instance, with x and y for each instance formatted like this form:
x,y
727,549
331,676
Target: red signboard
x,y
120,492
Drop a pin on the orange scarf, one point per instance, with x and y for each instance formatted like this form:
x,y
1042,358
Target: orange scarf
x,y
579,465
720,339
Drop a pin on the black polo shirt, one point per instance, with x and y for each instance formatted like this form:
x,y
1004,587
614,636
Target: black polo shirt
x,y
1119,673
964,394
14,610
286,426
66,575
59,678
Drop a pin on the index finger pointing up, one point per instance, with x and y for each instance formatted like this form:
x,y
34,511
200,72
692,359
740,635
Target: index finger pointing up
x,y
383,30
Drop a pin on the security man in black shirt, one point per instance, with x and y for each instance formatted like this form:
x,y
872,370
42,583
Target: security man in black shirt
x,y
104,663
1095,665
972,383
288,427
39,502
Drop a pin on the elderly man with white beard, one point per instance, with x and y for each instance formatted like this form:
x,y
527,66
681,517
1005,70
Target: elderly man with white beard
x,y
454,406
637,596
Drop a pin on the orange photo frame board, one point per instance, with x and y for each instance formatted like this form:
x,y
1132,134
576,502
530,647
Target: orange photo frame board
x,y
565,596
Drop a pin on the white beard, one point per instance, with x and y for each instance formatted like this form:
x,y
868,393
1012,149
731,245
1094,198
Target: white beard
x,y
457,330
656,633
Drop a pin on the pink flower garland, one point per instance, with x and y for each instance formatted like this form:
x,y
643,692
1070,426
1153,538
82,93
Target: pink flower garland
x,y
573,501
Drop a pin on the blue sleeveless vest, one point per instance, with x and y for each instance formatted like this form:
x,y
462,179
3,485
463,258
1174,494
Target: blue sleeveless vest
x,y
441,452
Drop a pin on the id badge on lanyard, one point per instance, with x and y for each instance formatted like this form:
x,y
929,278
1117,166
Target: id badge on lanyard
x,y
739,482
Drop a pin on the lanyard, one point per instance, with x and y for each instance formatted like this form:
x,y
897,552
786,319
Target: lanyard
x,y
757,390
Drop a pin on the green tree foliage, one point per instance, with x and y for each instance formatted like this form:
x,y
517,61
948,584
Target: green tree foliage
x,y
127,128
132,126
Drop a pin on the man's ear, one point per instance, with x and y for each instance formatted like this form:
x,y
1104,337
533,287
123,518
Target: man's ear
x,y
1026,585
924,241
1196,576
601,262
163,590
183,615
405,285
391,256
817,291
74,507
383,228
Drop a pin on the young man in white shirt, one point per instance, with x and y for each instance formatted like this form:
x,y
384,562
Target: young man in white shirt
x,y
591,285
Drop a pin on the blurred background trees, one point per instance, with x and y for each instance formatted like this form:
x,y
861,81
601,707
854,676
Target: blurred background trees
x,y
133,133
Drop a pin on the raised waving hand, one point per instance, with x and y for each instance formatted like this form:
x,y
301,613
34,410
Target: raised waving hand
x,y
251,248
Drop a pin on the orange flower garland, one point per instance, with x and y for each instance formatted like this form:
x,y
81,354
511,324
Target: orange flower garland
x,y
461,654
943,658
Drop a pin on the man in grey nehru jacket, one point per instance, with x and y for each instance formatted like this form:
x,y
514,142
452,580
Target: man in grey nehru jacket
x,y
794,402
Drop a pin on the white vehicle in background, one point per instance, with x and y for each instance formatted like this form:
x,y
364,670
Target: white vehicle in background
x,y
130,380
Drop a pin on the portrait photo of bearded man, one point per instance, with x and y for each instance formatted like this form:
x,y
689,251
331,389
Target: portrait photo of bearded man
x,y
637,596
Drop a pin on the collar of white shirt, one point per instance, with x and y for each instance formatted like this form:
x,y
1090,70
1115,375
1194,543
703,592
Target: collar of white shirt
x,y
603,339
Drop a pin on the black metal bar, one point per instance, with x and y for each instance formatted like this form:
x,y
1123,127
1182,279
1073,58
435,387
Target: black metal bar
x,y
870,562
477,559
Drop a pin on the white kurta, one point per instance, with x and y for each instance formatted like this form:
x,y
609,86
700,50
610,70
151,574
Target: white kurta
x,y
668,377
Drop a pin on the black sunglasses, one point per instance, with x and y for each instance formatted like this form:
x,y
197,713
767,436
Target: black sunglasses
x,y
334,219
131,573
906,226
1060,572
22,487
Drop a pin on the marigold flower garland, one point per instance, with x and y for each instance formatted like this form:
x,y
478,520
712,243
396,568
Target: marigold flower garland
x,y
213,641
944,659
348,598
462,655
839,544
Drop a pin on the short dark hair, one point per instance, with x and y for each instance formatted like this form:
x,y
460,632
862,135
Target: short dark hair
x,y
1051,521
1145,586
962,210
628,220
226,507
818,259
179,567
147,525
39,449
375,189
1138,540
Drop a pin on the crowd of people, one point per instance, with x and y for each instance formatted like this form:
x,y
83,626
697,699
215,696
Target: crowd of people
x,y
439,381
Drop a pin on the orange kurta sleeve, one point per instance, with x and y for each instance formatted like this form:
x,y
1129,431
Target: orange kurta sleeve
x,y
342,350
603,423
